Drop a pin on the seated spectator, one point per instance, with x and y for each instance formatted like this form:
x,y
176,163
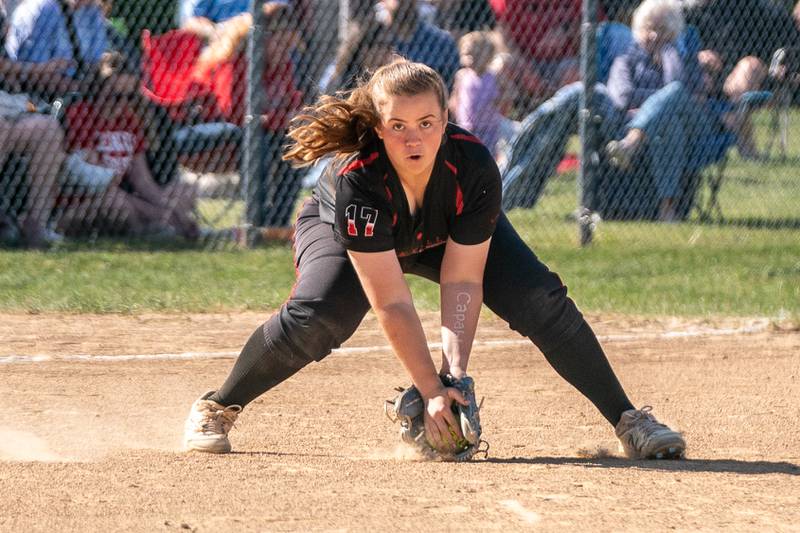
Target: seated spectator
x,y
661,94
276,185
739,38
475,97
203,16
368,47
796,15
109,179
38,34
543,37
222,24
419,40
37,138
26,201
653,107
460,17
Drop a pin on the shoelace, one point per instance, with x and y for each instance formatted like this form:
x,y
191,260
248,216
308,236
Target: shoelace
x,y
645,414
644,423
215,421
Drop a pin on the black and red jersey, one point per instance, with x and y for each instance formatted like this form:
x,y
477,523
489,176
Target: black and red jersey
x,y
363,198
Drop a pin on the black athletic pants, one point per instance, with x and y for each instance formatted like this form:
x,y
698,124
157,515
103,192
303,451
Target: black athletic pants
x,y
327,304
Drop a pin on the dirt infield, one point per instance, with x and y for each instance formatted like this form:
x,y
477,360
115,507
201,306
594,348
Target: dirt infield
x,y
91,443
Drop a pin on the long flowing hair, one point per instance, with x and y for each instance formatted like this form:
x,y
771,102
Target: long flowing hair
x,y
344,123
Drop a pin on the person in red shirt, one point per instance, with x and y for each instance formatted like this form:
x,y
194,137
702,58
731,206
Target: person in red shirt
x,y
543,37
275,185
109,176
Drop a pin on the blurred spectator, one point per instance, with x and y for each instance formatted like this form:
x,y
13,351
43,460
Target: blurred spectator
x,y
796,15
37,139
109,178
419,40
619,10
364,50
460,17
543,37
50,32
224,24
739,38
39,34
474,100
276,183
220,22
208,18
661,93
654,101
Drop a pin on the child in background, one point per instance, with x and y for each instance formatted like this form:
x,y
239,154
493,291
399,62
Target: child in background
x,y
474,103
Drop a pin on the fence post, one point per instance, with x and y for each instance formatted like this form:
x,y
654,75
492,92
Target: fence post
x,y
588,126
254,187
344,19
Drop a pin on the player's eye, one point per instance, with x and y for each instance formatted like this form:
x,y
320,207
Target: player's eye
x,y
425,124
397,126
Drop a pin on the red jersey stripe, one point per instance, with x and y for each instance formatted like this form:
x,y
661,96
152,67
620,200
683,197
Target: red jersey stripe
x,y
386,186
459,199
465,137
451,166
359,163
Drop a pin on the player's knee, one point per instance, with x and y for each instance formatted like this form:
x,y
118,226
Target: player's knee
x,y
550,316
312,331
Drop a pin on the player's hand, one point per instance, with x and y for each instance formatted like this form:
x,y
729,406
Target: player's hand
x,y
441,428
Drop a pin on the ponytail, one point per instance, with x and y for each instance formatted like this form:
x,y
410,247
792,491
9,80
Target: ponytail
x,y
335,124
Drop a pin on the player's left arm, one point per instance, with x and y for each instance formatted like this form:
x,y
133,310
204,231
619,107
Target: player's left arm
x,y
461,288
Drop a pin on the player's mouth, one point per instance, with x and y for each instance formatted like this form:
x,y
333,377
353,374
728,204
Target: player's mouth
x,y
415,157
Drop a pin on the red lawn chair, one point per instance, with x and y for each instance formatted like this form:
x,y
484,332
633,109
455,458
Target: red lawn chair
x,y
168,80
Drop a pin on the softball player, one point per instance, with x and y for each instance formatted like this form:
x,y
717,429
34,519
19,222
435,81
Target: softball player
x,y
409,193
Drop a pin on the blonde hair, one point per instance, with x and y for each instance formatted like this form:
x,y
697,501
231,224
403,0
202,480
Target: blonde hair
x,y
477,50
275,16
663,15
345,123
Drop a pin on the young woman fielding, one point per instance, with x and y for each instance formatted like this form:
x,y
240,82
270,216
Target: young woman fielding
x,y
409,193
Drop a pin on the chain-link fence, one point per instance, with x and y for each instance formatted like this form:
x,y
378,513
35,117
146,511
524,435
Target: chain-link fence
x,y
135,119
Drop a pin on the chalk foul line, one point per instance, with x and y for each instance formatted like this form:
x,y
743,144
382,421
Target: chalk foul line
x,y
757,327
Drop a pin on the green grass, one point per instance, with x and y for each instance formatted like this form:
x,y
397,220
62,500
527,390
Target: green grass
x,y
685,270
743,267
118,280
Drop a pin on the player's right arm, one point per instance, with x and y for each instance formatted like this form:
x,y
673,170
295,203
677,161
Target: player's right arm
x,y
391,301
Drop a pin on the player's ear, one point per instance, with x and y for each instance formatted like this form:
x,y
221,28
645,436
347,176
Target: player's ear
x,y
379,130
445,117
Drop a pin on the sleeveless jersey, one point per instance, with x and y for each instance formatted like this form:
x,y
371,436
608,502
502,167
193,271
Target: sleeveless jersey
x,y
364,200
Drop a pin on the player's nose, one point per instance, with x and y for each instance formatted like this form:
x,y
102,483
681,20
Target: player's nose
x,y
413,139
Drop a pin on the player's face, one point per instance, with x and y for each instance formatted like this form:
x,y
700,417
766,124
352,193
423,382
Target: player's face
x,y
412,128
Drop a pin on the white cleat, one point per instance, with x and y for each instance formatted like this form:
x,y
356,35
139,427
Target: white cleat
x,y
208,424
643,437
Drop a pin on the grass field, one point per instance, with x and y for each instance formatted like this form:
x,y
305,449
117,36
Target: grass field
x,y
643,269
